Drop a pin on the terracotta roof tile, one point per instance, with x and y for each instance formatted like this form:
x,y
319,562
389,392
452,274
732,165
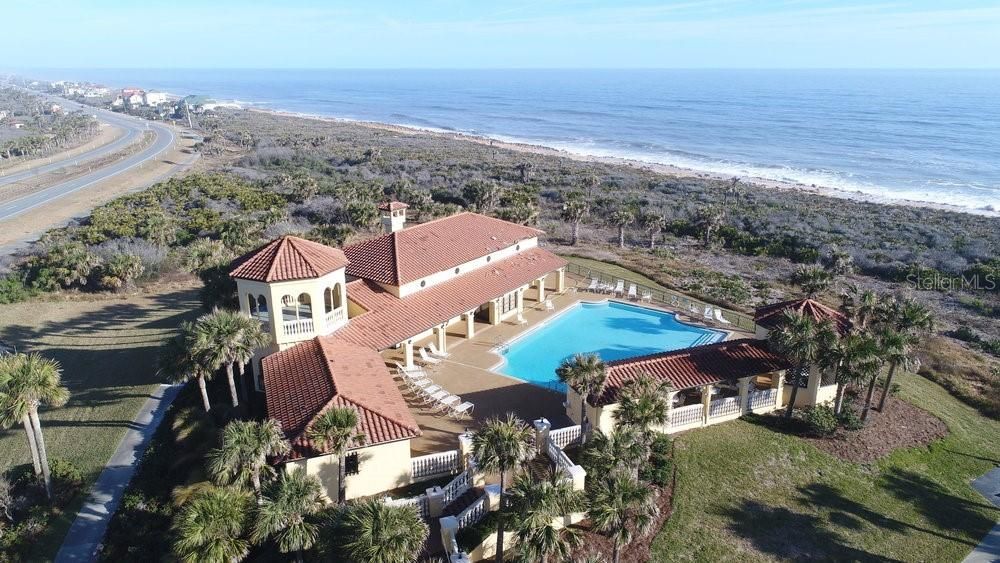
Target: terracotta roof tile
x,y
392,206
288,258
391,320
421,250
694,367
309,378
770,316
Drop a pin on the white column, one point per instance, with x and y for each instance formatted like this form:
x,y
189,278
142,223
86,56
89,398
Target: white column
x,y
470,324
670,406
541,289
706,401
778,382
561,280
408,354
442,338
744,385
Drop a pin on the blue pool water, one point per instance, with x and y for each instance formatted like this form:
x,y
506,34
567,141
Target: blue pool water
x,y
611,330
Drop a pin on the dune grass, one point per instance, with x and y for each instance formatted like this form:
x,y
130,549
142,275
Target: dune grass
x,y
615,270
107,349
747,493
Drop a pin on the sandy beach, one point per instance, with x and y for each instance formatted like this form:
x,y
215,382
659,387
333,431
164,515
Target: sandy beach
x,y
666,169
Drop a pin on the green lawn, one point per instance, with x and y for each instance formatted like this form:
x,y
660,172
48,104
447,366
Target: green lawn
x,y
747,493
107,348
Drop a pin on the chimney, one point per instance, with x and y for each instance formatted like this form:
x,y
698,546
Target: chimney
x,y
393,216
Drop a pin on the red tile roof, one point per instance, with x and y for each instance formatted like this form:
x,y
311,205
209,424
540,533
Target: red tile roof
x,y
694,367
307,379
770,316
391,320
288,258
421,250
392,206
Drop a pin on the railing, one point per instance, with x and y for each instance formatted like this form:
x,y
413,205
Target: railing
x,y
335,316
559,457
724,407
473,513
686,415
456,488
300,326
763,398
434,464
565,436
420,503
265,320
671,299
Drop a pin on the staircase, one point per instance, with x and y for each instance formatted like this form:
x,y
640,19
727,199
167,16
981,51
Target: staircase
x,y
463,502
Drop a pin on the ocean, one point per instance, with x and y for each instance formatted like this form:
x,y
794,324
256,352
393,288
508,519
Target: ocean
x,y
928,136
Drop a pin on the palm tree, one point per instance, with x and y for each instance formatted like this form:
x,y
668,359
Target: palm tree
x,y
622,450
220,341
286,512
642,404
653,224
574,210
859,358
242,458
812,280
864,308
708,218
335,431
212,527
622,218
620,505
31,380
534,506
797,340
382,533
179,361
894,349
8,419
586,374
910,318
501,446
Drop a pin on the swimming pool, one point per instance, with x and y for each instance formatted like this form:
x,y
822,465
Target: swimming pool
x,y
610,329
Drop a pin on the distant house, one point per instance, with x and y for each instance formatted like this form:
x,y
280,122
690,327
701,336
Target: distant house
x,y
134,99
55,109
96,92
155,98
118,102
3,114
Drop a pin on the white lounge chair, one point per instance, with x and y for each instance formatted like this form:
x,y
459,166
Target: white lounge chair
x,y
410,372
431,390
426,358
418,385
549,306
647,295
708,313
436,397
719,317
448,402
632,292
620,287
594,282
432,348
461,411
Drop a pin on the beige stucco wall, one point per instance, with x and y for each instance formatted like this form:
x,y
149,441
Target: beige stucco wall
x,y
381,468
601,418
443,276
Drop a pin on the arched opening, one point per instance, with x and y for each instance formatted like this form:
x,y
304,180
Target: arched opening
x,y
304,306
262,305
338,299
327,300
252,304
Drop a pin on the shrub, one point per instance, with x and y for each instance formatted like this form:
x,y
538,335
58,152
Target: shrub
x,y
66,480
120,272
13,290
820,420
469,538
205,253
850,419
61,265
659,467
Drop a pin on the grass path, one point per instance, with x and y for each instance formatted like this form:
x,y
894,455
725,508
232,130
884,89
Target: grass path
x,y
107,349
746,493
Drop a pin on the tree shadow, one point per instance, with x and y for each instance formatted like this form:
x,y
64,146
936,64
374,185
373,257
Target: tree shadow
x,y
936,504
787,534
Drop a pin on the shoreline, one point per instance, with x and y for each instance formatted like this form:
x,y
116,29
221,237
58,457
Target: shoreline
x,y
666,169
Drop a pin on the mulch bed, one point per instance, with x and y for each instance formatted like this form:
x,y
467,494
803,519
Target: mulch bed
x,y
595,543
902,425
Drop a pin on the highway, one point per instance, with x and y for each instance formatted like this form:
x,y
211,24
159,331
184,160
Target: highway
x,y
135,127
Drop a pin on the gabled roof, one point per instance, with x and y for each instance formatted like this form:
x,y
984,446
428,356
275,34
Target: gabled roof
x,y
421,250
770,316
311,377
694,367
288,258
391,320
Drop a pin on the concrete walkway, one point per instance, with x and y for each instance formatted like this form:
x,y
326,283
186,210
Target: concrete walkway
x,y
88,529
988,551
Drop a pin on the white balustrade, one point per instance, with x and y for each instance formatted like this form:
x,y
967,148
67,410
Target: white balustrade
x,y
421,503
456,488
565,436
300,326
473,513
763,398
335,316
434,464
724,407
683,416
559,457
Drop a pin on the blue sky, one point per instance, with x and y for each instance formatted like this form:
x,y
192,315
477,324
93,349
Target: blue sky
x,y
514,34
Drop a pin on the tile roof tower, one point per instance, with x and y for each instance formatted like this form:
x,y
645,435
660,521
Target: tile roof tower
x,y
393,216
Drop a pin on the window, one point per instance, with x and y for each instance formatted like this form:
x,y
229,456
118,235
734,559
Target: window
x,y
508,302
352,464
488,258
801,378
423,283
456,271
518,247
337,297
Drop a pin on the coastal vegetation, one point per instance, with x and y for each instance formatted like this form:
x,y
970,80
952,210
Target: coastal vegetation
x,y
42,130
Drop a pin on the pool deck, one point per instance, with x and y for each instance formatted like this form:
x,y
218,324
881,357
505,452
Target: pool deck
x,y
466,372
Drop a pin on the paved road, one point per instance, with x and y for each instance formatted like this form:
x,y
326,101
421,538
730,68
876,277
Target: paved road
x,y
988,551
91,523
164,139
